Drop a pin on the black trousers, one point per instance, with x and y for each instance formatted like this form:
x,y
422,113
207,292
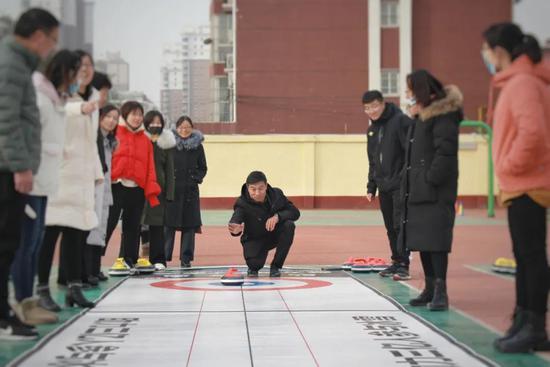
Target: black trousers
x,y
72,247
129,201
12,204
256,251
92,260
527,223
187,244
156,245
435,264
391,211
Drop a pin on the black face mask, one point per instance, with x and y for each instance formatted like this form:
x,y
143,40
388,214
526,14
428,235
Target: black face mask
x,y
155,130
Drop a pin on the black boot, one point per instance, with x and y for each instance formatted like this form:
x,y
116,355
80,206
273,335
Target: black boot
x,y
426,295
518,319
45,299
440,301
530,336
74,296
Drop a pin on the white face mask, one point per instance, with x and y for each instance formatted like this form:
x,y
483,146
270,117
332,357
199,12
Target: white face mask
x,y
410,101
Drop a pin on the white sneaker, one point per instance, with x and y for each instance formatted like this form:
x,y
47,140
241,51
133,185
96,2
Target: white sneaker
x,y
159,267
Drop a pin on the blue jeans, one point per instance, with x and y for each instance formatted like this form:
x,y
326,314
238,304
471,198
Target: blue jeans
x,y
24,267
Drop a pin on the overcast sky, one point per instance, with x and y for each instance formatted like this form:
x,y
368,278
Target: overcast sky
x,y
140,28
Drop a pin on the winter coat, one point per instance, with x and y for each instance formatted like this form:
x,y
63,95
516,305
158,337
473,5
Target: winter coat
x,y
164,167
133,160
386,142
52,119
20,144
255,215
73,205
521,138
430,181
189,171
103,191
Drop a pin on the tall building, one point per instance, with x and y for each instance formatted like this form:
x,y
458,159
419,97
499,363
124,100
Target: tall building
x,y
76,18
302,66
185,79
221,57
172,89
117,69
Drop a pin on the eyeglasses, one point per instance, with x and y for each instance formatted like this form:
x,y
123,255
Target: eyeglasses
x,y
372,108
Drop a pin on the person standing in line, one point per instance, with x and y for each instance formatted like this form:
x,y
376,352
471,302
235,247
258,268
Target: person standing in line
x,y
184,213
52,89
163,142
70,211
386,143
35,35
134,180
106,143
521,152
430,182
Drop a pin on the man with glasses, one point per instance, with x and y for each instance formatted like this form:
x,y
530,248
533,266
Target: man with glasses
x,y
386,141
35,36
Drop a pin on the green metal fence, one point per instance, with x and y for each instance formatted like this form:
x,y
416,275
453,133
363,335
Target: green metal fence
x,y
489,132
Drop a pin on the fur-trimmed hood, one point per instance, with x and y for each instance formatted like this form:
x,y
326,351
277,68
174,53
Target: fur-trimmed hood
x,y
166,139
452,102
191,143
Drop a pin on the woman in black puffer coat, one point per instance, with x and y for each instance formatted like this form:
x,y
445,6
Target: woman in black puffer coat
x,y
429,186
184,213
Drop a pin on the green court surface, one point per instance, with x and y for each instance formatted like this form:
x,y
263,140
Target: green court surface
x,y
347,218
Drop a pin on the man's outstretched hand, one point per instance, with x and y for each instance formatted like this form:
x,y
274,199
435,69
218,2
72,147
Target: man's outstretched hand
x,y
235,228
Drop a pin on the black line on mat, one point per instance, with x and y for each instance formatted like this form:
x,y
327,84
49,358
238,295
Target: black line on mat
x,y
431,326
42,343
247,329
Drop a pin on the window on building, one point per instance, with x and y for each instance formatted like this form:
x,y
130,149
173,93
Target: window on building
x,y
390,13
390,82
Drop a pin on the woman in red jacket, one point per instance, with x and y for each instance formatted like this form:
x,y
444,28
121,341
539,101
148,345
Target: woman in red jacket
x,y
134,180
521,152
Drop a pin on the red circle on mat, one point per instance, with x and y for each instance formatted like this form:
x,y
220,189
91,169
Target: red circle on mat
x,y
174,284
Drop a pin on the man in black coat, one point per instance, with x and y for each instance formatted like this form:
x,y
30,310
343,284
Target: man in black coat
x,y
264,218
386,142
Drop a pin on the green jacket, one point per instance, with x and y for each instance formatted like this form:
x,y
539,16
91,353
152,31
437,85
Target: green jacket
x,y
20,127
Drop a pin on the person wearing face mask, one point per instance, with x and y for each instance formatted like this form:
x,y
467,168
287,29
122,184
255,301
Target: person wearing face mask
x,y
264,219
184,213
386,141
134,181
430,182
521,152
70,212
106,143
163,142
82,90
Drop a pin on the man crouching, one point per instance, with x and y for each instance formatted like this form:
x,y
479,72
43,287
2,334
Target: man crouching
x,y
265,218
